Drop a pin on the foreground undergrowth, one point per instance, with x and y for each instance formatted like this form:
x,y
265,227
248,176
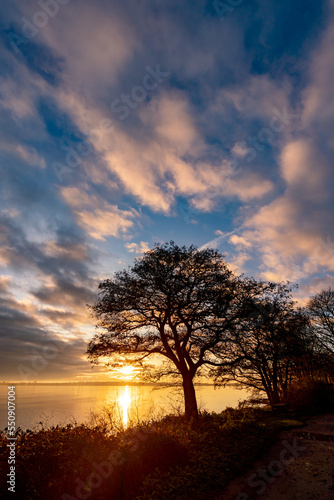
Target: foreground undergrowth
x,y
165,459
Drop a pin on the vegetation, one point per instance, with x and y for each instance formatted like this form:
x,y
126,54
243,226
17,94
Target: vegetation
x,y
268,347
186,306
321,310
159,460
308,397
282,350
175,303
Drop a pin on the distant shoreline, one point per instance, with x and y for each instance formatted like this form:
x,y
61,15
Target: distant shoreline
x,y
97,383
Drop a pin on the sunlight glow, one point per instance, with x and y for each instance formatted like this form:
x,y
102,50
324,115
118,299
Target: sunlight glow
x,y
126,370
124,401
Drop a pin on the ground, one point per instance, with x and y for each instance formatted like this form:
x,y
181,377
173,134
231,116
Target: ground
x,y
308,471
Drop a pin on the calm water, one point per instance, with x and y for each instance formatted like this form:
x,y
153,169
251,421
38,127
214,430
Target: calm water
x,y
65,404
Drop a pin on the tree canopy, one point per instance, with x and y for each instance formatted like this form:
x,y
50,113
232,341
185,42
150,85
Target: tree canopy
x,y
268,345
321,310
185,306
176,302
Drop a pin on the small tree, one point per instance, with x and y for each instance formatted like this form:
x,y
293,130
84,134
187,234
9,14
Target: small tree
x,y
321,310
268,345
175,302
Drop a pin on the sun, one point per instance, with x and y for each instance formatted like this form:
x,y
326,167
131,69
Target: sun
x,y
126,370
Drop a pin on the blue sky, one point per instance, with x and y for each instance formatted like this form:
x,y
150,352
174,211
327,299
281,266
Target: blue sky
x,y
127,123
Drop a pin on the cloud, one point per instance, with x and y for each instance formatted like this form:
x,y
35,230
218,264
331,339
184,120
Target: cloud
x,y
159,159
173,123
239,241
292,234
94,43
18,95
27,154
305,170
179,142
138,249
221,237
30,350
317,97
288,232
249,187
96,216
237,263
58,268
256,98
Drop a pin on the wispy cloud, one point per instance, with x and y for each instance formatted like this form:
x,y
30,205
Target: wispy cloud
x,y
124,124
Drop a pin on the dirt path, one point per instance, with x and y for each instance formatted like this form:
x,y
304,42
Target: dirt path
x,y
300,466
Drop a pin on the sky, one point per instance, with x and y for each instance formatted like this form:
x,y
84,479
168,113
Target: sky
x,y
128,123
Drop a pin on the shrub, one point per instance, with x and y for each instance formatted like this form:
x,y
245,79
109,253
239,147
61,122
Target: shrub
x,y
311,397
170,458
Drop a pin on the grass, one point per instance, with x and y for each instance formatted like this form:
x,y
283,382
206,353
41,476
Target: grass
x,y
162,459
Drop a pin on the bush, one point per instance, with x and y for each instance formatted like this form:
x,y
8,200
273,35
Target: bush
x,y
311,397
48,462
170,458
56,462
221,447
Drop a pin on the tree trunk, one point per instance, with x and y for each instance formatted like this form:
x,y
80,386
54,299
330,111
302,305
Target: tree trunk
x,y
275,390
190,403
275,398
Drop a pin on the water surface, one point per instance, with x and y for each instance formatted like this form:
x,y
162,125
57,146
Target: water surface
x,y
63,404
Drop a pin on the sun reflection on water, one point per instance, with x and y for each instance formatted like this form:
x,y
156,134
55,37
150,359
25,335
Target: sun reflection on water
x,y
124,401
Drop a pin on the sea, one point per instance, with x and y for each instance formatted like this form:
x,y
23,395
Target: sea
x,y
42,406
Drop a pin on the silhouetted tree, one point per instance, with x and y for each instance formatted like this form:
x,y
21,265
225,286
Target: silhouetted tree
x,y
321,310
268,344
179,303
